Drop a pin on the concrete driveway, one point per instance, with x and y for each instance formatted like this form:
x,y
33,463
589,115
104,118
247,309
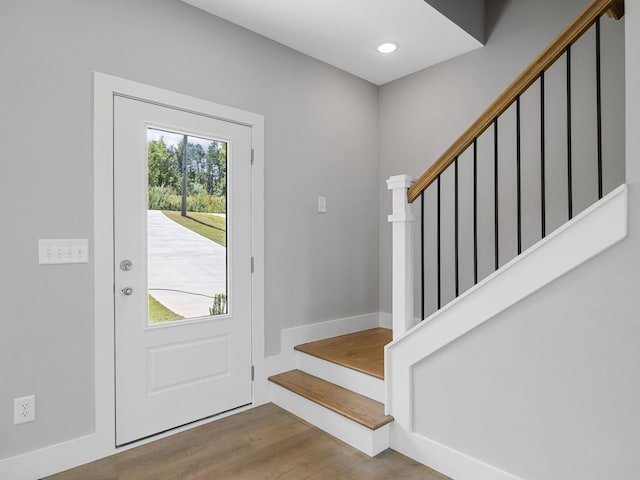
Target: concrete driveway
x,y
185,269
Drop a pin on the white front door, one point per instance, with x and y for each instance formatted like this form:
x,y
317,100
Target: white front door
x,y
182,271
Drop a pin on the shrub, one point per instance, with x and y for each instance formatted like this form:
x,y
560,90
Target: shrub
x,y
166,198
217,204
219,306
160,197
205,203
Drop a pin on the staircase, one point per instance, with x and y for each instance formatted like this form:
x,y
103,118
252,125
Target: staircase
x,y
339,383
338,386
467,194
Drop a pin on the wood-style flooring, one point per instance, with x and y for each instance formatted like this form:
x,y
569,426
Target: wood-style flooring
x,y
361,351
262,444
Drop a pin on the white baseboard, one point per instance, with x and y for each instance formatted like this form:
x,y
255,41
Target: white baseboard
x,y
370,442
443,459
386,320
331,328
290,337
46,461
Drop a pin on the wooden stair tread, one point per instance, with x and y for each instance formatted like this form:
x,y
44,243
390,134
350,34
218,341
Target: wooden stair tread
x,y
361,351
356,407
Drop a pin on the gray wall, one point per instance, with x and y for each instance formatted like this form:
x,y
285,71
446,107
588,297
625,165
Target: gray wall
x,y
321,139
548,389
467,14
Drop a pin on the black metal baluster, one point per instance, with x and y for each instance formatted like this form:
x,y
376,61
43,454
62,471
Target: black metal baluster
x,y
422,255
475,211
438,249
599,106
457,277
495,190
569,173
543,213
518,178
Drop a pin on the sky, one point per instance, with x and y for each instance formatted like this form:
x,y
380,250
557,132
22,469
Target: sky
x,y
174,139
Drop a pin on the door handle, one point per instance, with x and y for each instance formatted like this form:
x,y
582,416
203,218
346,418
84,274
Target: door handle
x,y
127,291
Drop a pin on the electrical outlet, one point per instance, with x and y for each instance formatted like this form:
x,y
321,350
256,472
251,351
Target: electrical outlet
x,y
24,409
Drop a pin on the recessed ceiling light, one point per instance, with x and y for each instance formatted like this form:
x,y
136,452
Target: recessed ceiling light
x,y
387,47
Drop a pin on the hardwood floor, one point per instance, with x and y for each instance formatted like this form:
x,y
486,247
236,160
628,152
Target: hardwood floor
x,y
361,351
263,443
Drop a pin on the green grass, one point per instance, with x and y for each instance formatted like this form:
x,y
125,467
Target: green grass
x,y
159,313
206,224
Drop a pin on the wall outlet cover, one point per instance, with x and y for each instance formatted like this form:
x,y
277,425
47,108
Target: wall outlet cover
x,y
24,409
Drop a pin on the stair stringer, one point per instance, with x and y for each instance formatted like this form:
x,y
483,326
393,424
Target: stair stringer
x,y
593,231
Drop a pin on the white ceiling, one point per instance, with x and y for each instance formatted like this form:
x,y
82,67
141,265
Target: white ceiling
x,y
345,33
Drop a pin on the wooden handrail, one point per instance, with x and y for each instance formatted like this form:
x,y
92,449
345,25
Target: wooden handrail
x,y
584,21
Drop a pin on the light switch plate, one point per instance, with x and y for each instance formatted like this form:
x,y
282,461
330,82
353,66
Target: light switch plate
x,y
322,204
69,250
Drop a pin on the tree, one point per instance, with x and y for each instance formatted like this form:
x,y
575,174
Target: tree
x,y
216,168
205,174
162,167
197,164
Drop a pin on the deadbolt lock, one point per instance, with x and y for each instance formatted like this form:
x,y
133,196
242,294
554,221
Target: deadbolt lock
x,y
126,265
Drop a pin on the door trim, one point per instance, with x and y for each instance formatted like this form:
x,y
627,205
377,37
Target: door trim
x,y
105,87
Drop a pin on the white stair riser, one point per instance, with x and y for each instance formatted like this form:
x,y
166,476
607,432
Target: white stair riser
x,y
353,380
370,442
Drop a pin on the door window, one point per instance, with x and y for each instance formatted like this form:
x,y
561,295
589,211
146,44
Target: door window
x,y
187,226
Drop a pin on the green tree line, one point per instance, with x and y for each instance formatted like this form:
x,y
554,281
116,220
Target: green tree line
x,y
206,173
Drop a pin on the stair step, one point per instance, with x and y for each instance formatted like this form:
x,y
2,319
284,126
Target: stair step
x,y
348,378
358,408
361,351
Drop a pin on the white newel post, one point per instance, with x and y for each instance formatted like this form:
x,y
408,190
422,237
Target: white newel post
x,y
402,272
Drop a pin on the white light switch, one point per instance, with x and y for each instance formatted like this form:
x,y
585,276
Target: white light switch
x,y
70,250
322,204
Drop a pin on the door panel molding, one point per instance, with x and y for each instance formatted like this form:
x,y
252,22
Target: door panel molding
x,y
105,88
164,373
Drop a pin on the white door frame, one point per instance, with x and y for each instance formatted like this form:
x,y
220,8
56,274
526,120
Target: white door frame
x,y
105,86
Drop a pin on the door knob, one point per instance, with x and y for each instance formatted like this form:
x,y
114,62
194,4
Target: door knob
x,y
127,291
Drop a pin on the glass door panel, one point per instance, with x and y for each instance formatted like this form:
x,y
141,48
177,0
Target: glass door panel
x,y
187,226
